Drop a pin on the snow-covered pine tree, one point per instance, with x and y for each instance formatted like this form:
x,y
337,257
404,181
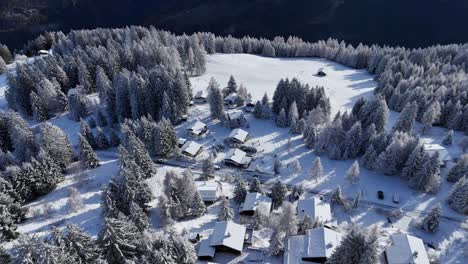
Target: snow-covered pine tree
x,y
74,202
369,160
414,163
256,186
77,106
240,191
278,193
56,144
353,141
101,139
215,99
85,131
3,67
352,174
231,87
406,119
23,140
277,243
88,157
429,116
137,150
448,139
138,216
257,112
431,220
4,256
281,119
39,109
12,213
316,172
458,198
226,213
268,50
293,114
78,243
287,222
427,179
208,169
459,170
357,200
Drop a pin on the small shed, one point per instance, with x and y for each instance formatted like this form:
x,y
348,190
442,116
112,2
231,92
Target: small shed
x,y
200,98
181,142
191,149
249,106
444,155
197,128
320,73
210,191
238,136
406,249
253,201
236,119
205,251
315,209
238,158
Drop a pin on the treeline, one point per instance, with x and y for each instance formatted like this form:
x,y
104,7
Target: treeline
x,y
135,71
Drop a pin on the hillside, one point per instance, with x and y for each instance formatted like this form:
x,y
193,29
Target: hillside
x,y
403,23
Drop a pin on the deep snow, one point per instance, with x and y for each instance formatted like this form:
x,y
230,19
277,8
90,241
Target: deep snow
x,y
344,86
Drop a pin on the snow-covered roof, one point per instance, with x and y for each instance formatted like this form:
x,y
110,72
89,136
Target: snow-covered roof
x,y
228,234
235,115
320,242
239,135
231,98
200,94
209,190
197,127
250,102
205,250
314,208
293,250
444,155
406,249
191,148
181,141
238,156
253,200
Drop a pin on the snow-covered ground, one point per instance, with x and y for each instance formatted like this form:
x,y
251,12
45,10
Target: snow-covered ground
x,y
344,86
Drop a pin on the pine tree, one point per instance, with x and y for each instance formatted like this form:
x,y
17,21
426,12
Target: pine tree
x,y
459,170
293,114
4,256
231,87
3,67
137,150
39,109
101,139
85,132
427,179
357,247
430,116
226,213
257,112
240,191
277,243
77,105
208,169
369,160
74,202
357,200
316,171
352,174
448,139
23,140
353,141
414,163
88,157
80,245
431,221
288,220
215,100
406,119
278,193
256,186
56,144
277,167
281,119
268,50
458,198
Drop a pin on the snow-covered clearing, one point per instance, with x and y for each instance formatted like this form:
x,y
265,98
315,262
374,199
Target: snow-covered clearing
x,y
259,74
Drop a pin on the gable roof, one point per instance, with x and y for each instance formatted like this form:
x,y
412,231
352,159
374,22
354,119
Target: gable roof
x,y
235,115
253,200
209,190
314,208
205,250
228,234
321,242
444,155
239,134
238,156
406,249
197,127
232,97
191,147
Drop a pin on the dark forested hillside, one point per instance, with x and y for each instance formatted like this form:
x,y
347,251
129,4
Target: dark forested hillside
x,y
393,22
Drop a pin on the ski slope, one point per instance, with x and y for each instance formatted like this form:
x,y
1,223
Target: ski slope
x,y
260,75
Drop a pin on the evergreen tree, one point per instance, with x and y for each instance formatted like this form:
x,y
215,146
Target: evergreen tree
x,y
38,108
316,171
77,243
240,191
101,118
414,163
277,243
56,144
352,174
293,114
77,105
448,139
430,116
256,186
427,179
137,150
225,213
277,167
278,193
74,202
268,50
85,132
281,119
357,200
23,140
369,160
431,221
458,198
215,100
406,119
4,256
88,157
208,169
114,140
459,170
357,247
257,112
101,139
288,220
231,87
3,67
